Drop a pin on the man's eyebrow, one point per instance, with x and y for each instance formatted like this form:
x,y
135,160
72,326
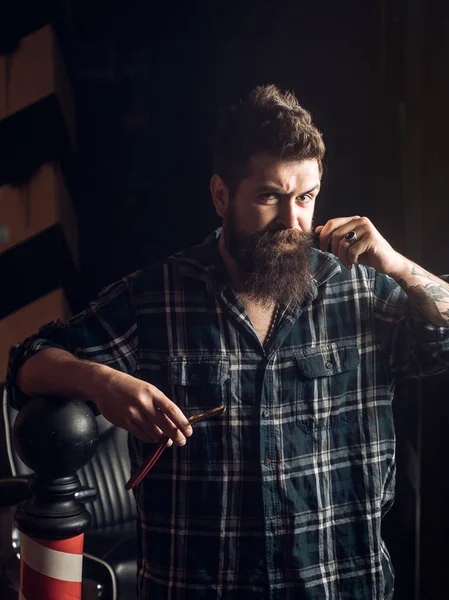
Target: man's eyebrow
x,y
279,191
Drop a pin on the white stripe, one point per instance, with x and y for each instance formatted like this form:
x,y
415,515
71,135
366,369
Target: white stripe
x,y
6,421
52,563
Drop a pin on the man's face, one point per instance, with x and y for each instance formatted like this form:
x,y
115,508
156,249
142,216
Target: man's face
x,y
276,195
267,227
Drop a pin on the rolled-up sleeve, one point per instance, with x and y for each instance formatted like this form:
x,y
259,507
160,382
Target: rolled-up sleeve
x,y
106,333
414,346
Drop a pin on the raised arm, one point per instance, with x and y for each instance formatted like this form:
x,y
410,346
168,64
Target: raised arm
x,y
355,240
428,293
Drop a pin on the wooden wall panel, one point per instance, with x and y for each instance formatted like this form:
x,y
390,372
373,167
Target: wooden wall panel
x,y
32,72
22,323
41,203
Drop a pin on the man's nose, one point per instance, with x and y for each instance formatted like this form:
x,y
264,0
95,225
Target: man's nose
x,y
288,214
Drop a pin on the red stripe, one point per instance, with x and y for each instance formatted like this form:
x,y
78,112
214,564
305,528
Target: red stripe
x,y
35,586
72,545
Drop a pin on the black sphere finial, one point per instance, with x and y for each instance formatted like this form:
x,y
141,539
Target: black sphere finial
x,y
54,437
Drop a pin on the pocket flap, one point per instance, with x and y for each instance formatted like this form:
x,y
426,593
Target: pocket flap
x,y
327,360
198,371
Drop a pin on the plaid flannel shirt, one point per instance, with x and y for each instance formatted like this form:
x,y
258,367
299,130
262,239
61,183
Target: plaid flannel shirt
x,y
282,496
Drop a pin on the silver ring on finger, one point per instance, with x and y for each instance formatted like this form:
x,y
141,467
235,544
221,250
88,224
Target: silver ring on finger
x,y
351,237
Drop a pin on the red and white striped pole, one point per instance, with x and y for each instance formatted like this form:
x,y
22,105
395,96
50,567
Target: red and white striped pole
x,y
54,437
51,570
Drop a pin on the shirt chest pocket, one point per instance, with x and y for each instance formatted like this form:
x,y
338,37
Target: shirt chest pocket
x,y
197,385
328,379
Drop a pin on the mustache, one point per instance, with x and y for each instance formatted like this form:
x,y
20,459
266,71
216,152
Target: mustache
x,y
289,236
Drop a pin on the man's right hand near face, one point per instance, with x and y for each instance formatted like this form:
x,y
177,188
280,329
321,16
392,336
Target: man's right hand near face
x,y
135,405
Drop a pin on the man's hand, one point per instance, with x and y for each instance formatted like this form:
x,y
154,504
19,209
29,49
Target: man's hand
x,y
428,293
130,403
139,407
370,249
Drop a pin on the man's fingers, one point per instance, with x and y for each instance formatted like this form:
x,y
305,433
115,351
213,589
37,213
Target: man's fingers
x,y
335,231
169,428
173,413
331,228
140,431
147,432
353,256
339,235
164,414
347,253
340,244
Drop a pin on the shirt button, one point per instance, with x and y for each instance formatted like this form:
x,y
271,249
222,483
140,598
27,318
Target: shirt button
x,y
266,413
328,365
193,376
267,462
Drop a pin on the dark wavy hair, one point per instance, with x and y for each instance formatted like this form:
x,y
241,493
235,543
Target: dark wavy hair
x,y
268,121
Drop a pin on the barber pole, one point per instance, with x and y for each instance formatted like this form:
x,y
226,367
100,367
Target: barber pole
x,y
54,437
51,569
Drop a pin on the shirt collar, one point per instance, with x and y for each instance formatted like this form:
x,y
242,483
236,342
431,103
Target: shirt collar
x,y
324,265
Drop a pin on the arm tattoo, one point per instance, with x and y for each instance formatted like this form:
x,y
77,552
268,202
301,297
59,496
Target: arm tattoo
x,y
431,296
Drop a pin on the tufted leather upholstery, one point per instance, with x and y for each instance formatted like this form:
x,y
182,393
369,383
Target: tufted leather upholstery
x,y
107,472
110,548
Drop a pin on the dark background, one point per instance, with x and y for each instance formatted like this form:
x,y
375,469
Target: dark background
x,y
149,84
149,79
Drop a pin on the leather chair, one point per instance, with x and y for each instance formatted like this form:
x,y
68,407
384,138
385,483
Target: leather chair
x,y
110,545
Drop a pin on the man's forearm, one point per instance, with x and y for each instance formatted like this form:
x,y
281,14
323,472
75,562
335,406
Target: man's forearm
x,y
59,373
428,293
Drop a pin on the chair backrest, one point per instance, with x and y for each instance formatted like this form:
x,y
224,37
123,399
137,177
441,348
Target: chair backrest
x,y
107,471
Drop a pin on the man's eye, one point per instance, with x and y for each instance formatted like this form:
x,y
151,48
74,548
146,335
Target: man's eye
x,y
269,197
305,198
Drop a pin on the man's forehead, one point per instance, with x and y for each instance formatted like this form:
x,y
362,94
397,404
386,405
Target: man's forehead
x,y
277,172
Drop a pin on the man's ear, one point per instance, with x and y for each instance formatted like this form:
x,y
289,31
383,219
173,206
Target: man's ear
x,y
220,195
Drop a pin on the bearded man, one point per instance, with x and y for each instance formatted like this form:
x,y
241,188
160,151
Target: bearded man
x,y
282,496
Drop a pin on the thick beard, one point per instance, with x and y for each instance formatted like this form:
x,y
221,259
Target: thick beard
x,y
274,266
